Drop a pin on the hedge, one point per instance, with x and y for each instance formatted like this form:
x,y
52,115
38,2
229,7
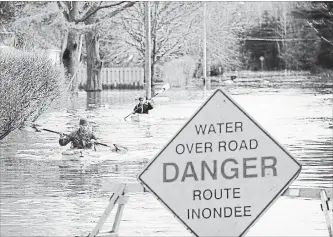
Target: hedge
x,y
29,82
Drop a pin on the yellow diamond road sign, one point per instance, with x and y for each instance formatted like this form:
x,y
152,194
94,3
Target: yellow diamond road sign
x,y
221,171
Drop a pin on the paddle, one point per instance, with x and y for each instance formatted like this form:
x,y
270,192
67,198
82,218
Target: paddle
x,y
165,87
118,148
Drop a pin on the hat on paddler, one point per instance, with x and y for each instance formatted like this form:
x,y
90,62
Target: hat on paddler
x,y
83,121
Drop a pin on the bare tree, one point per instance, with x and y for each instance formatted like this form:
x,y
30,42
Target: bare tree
x,y
78,13
170,24
319,16
226,22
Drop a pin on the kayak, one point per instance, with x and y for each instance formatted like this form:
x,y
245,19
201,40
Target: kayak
x,y
81,158
135,118
141,118
72,154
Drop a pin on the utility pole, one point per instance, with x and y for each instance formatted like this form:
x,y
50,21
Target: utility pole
x,y
284,9
148,50
204,61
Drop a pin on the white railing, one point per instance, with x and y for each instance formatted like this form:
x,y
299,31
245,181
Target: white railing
x,y
115,77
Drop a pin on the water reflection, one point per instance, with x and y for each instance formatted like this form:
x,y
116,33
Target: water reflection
x,y
94,100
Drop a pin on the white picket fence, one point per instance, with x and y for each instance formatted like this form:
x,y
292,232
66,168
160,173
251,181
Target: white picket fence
x,y
116,77
133,77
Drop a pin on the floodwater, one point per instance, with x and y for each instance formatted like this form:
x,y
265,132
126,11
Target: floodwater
x,y
38,198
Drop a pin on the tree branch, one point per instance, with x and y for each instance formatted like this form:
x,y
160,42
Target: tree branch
x,y
62,8
322,37
115,12
138,46
170,50
92,11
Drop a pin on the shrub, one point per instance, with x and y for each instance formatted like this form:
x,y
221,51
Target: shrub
x,y
29,82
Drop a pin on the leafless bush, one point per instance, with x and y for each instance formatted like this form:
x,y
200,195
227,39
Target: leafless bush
x,y
29,82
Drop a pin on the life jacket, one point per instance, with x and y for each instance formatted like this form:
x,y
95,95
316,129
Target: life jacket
x,y
143,109
81,139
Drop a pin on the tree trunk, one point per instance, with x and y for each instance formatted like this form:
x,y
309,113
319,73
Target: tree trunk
x,y
70,52
94,64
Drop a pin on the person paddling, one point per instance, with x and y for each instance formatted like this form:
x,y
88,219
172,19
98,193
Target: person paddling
x,y
143,107
81,138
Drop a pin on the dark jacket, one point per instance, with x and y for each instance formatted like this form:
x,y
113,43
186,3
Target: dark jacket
x,y
144,108
79,140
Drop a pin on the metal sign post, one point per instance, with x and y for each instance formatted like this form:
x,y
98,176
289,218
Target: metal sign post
x,y
262,62
148,76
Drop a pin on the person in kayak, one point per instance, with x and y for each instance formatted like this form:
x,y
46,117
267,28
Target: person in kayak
x,y
81,138
143,107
